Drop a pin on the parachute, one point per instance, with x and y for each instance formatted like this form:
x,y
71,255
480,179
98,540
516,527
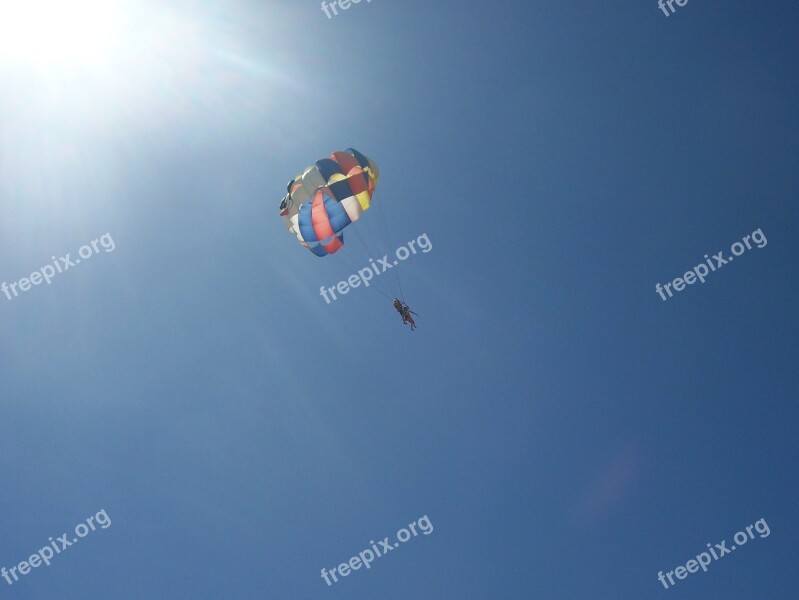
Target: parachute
x,y
327,197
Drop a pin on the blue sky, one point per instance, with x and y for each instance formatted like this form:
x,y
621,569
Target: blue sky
x,y
567,432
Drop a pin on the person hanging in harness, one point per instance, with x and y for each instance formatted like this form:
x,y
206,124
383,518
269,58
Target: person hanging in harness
x,y
405,312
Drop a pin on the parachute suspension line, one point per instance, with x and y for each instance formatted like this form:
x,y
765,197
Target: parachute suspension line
x,y
382,218
382,291
368,249
371,251
402,294
373,283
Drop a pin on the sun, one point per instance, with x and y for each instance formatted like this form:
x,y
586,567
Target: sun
x,y
57,32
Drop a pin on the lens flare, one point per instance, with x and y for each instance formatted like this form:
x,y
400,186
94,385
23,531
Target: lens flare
x,y
57,33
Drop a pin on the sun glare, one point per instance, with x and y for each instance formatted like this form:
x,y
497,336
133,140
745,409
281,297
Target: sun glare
x,y
57,32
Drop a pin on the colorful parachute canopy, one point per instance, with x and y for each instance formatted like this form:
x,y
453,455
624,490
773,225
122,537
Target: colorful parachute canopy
x,y
328,196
